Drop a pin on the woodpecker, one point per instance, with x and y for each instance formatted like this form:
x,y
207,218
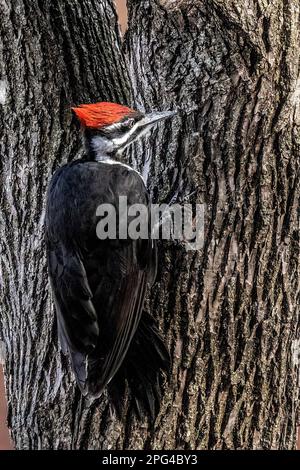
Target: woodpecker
x,y
99,286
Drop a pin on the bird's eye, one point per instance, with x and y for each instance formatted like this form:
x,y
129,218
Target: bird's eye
x,y
130,123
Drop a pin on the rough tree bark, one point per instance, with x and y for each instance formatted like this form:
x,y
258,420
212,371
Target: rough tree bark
x,y
230,312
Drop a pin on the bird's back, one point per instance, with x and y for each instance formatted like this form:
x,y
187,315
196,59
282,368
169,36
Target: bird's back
x,y
98,285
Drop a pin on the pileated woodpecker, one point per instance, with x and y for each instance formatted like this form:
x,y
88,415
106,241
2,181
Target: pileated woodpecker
x,y
99,285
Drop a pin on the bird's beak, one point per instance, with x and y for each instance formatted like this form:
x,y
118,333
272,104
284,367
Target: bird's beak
x,y
152,118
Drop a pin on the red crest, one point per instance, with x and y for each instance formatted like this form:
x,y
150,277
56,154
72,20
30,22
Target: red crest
x,y
101,114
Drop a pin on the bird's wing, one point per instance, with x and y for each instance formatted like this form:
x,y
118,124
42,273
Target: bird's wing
x,y
74,299
119,301
76,316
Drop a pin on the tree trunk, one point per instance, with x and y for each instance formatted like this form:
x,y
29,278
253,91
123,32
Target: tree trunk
x,y
52,55
230,311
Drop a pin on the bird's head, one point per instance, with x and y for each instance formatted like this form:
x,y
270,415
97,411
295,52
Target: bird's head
x,y
109,127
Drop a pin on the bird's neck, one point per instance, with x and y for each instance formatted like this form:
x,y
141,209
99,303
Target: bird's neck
x,y
99,148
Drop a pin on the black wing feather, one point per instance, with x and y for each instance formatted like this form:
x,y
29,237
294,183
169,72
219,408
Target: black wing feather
x,y
123,323
77,318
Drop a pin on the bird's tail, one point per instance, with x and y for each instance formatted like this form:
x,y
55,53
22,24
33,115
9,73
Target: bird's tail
x,y
145,369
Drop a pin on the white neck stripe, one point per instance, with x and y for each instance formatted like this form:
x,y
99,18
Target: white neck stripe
x,y
111,161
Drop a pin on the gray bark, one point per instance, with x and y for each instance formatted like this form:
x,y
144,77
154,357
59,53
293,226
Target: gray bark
x,y
229,312
53,55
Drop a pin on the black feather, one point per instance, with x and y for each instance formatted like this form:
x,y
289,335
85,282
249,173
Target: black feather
x,y
146,367
99,286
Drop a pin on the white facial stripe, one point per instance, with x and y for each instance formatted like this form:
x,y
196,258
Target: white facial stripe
x,y
119,141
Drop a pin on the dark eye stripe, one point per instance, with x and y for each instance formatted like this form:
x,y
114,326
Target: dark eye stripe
x,y
119,127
